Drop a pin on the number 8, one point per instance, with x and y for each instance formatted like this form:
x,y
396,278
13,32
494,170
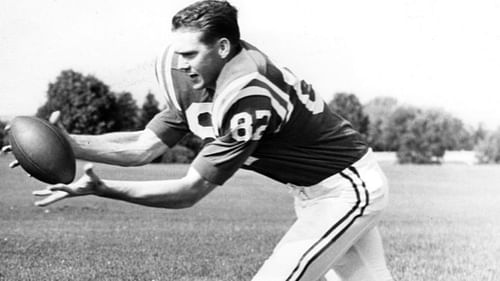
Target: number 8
x,y
241,126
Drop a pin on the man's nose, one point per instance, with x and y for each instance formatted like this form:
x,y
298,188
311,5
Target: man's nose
x,y
183,64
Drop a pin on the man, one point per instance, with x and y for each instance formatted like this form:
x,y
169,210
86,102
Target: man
x,y
256,116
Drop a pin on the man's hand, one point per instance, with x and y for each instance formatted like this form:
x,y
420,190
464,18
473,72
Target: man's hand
x,y
88,184
53,119
8,148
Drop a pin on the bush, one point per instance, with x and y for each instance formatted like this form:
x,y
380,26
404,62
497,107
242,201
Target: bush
x,y
178,154
488,149
423,136
192,142
349,107
3,134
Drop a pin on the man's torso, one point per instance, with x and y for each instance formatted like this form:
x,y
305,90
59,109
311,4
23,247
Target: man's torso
x,y
262,118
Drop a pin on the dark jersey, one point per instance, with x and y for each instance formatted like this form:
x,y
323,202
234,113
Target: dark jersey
x,y
260,117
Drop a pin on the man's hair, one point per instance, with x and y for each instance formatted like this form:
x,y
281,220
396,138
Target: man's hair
x,y
214,18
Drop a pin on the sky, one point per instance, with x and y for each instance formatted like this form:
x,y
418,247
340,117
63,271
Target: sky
x,y
431,54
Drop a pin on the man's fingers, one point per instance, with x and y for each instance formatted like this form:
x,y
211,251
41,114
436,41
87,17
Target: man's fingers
x,y
59,187
7,148
54,117
7,128
52,198
50,189
88,168
60,191
43,192
14,164
52,194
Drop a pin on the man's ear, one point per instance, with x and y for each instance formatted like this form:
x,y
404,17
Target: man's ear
x,y
224,47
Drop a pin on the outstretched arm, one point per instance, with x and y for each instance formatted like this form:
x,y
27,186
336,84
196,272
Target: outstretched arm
x,y
172,194
121,148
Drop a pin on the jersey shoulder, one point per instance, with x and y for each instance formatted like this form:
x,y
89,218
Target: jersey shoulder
x,y
247,75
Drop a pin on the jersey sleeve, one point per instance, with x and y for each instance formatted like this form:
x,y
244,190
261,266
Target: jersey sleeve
x,y
243,126
169,125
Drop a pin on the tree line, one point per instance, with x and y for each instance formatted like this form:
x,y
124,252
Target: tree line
x,y
417,135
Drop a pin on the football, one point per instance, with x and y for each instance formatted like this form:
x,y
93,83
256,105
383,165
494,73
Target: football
x,y
42,150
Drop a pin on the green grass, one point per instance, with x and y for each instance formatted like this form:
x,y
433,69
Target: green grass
x,y
443,224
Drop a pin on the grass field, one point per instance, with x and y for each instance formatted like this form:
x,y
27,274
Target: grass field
x,y
443,224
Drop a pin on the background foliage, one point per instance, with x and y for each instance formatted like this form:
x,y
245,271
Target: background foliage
x,y
488,148
3,135
86,104
349,107
149,109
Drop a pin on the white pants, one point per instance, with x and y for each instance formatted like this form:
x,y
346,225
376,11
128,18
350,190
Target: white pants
x,y
335,229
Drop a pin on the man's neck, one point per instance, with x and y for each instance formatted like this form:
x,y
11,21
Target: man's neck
x,y
235,51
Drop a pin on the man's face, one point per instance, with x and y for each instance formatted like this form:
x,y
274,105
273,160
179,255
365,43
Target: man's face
x,y
200,61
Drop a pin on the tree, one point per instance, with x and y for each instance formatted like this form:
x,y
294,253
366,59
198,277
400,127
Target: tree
x,y
127,112
460,137
479,134
3,134
398,126
349,107
378,111
86,104
192,142
149,109
488,148
426,141
423,136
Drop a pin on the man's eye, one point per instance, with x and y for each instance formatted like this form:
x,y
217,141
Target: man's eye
x,y
188,55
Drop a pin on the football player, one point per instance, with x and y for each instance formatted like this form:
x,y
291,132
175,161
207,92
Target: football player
x,y
253,115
